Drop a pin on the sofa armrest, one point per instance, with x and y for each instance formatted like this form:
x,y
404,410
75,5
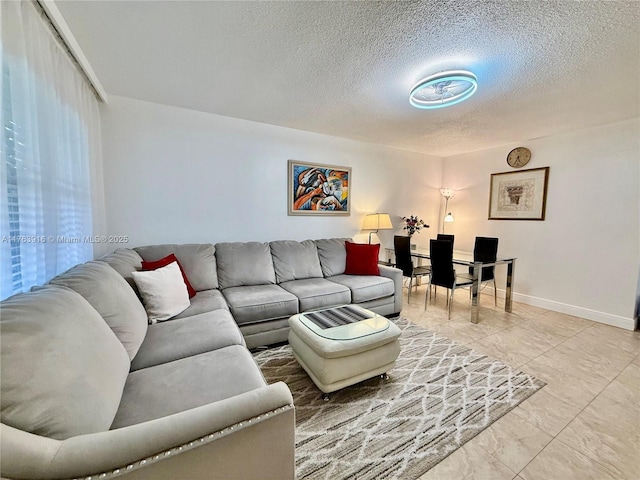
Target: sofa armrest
x,y
251,435
394,274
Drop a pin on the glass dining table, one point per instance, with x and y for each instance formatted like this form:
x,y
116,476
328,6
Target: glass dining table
x,y
466,259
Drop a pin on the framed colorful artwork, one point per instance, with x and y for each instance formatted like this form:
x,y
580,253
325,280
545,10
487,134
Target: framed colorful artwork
x,y
519,195
318,189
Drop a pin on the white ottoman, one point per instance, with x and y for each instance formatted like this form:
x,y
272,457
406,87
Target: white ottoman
x,y
342,346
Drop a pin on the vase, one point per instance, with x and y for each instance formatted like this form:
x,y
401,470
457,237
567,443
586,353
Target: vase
x,y
413,246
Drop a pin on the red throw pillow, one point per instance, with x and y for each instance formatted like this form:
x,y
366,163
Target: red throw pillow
x,y
362,259
163,262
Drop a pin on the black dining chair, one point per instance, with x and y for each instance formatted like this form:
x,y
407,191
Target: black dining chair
x,y
442,272
485,250
449,238
446,236
402,250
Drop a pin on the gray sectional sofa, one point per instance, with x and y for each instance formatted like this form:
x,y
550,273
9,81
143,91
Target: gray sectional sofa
x,y
263,284
90,389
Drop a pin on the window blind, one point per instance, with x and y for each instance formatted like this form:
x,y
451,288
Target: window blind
x,y
49,122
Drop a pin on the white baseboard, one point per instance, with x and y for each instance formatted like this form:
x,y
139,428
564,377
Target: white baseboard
x,y
596,316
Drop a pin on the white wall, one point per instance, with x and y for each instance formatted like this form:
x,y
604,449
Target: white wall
x,y
583,259
176,175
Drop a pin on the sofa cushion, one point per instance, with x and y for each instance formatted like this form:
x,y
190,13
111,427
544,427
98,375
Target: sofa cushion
x,y
260,302
244,264
204,301
295,260
107,291
163,292
314,293
62,368
163,262
333,255
197,259
362,259
365,287
187,383
124,261
180,338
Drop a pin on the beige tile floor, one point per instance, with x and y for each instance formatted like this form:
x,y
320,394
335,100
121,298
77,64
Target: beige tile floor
x,y
584,424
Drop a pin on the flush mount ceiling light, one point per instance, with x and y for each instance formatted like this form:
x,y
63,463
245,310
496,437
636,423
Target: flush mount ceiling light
x,y
443,89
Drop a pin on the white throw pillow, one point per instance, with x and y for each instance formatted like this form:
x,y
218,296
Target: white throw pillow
x,y
163,292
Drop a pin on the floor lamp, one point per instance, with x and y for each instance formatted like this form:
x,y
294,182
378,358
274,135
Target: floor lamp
x,y
376,222
448,194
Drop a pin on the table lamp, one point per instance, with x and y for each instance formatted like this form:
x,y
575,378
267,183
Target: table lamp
x,y
376,222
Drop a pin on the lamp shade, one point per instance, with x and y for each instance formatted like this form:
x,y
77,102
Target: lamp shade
x,y
377,221
448,218
447,193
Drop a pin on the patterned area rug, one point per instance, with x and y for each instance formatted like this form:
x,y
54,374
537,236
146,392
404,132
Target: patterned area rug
x,y
439,396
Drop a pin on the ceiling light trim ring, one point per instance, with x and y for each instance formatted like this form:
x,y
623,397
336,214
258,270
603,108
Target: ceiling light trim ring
x,y
436,81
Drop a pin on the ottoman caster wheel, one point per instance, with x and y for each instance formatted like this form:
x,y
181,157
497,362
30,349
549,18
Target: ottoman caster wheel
x,y
325,397
384,376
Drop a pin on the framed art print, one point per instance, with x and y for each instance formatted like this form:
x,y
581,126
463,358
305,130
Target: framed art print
x,y
318,189
519,195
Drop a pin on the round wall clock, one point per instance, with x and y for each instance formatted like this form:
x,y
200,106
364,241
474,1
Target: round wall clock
x,y
519,157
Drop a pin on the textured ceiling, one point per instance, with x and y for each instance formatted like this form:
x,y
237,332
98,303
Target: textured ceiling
x,y
345,68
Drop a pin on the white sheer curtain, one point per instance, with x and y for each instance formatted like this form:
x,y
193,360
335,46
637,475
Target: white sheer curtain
x,y
50,134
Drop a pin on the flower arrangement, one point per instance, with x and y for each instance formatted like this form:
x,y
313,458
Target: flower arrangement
x,y
413,224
